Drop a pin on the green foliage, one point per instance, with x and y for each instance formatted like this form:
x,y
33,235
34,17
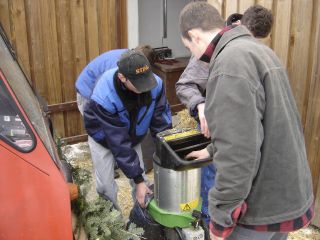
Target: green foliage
x,y
101,221
99,218
59,144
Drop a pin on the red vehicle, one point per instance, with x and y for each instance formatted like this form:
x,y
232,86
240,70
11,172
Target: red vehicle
x,y
35,199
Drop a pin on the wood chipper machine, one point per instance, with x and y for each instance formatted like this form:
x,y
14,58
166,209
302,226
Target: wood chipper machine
x,y
174,212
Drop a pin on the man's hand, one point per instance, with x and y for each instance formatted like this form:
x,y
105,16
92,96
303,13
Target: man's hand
x,y
141,191
203,121
201,154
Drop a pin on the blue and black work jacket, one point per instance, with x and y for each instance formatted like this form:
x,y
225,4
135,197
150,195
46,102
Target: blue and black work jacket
x,y
119,119
92,72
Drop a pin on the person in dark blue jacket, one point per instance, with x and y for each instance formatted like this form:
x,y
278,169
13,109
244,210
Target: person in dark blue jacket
x,y
91,73
125,103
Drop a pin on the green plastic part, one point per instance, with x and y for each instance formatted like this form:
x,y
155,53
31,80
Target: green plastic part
x,y
171,219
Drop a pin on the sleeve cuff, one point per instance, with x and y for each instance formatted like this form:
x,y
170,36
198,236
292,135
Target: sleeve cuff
x,y
210,149
220,231
138,179
224,231
193,108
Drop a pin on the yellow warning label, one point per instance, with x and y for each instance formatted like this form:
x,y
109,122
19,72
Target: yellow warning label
x,y
186,207
190,205
181,135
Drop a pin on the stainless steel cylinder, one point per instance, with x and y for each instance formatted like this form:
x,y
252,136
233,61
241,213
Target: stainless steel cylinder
x,y
176,191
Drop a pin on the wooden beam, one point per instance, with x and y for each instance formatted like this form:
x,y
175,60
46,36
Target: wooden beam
x,y
5,18
176,108
19,34
75,139
91,28
62,107
122,21
69,106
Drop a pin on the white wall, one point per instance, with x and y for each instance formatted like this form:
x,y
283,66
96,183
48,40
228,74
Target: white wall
x,y
133,23
150,21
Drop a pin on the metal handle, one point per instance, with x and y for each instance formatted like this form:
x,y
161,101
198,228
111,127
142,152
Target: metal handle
x,y
164,6
191,164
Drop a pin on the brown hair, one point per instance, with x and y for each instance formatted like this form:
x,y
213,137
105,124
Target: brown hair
x,y
147,50
258,20
199,15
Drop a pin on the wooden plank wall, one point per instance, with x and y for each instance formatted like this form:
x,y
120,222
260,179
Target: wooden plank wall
x,y
295,39
54,40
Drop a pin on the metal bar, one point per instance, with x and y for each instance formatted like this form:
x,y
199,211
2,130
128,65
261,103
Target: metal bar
x,y
165,15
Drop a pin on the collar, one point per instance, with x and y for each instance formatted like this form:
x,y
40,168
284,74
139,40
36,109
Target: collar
x,y
131,100
206,57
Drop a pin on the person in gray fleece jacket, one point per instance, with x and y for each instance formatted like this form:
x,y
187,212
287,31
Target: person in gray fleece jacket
x,y
263,186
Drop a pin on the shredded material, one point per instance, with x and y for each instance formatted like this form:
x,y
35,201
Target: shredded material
x,y
184,120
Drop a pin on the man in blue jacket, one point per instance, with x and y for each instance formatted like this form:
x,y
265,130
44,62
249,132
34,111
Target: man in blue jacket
x,y
125,103
91,73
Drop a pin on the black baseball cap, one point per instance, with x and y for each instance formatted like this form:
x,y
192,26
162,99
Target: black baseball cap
x,y
134,65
